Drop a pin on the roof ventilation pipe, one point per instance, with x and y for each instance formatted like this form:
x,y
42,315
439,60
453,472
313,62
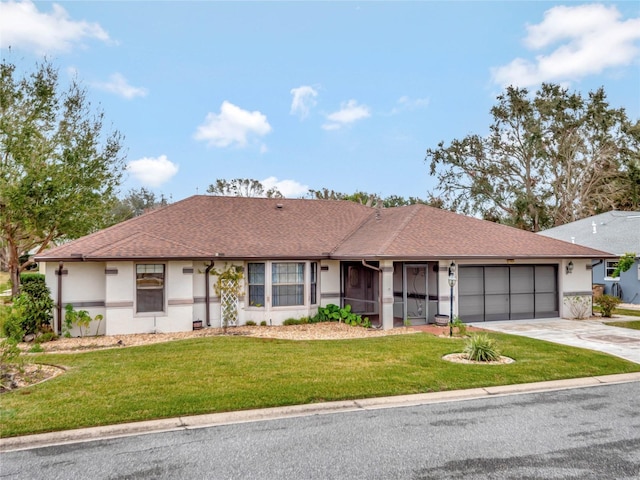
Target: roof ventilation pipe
x,y
207,294
379,270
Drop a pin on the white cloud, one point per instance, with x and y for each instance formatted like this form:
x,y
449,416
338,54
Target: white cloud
x,y
587,38
24,27
152,171
288,188
407,103
349,112
232,125
118,84
303,100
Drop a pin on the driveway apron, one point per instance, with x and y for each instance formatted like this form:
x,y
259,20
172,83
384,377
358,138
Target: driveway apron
x,y
594,335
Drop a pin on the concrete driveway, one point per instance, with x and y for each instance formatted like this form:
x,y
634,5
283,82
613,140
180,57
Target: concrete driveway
x,y
591,334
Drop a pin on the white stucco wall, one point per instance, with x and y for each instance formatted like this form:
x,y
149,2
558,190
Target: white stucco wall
x,y
120,298
83,286
109,289
575,289
329,287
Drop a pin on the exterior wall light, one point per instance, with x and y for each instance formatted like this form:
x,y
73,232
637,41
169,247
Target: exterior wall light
x,y
569,268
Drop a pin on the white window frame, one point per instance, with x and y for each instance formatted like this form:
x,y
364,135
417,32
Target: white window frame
x,y
313,283
164,290
269,285
609,267
263,284
287,284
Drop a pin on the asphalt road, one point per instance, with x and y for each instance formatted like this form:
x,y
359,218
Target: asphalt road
x,y
584,433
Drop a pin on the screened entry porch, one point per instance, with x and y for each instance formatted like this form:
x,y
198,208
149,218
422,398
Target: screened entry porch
x,y
415,291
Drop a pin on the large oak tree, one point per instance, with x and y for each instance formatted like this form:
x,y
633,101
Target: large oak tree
x,y
549,159
58,167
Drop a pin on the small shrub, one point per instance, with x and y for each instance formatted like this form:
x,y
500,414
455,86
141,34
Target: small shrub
x,y
37,348
579,306
333,313
481,348
35,302
250,323
460,325
9,354
607,304
12,326
296,321
46,337
263,323
81,318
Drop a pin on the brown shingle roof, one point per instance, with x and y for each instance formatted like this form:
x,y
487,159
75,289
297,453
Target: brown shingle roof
x,y
420,231
204,227
235,227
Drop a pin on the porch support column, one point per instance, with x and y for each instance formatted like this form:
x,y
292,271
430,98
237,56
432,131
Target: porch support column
x,y
386,304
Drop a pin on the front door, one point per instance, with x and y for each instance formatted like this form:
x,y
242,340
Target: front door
x,y
360,287
416,300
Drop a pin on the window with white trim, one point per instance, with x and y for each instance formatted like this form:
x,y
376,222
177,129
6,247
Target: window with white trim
x,y
313,290
150,281
255,279
609,268
287,284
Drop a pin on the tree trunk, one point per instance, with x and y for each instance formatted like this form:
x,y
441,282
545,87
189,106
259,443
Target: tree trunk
x,y
14,268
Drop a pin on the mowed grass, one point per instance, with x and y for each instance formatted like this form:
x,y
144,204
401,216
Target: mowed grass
x,y
218,374
633,324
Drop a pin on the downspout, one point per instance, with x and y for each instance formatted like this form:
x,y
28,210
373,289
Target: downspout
x,y
59,302
207,296
379,270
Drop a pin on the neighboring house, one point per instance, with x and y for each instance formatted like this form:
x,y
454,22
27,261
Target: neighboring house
x,y
614,232
151,273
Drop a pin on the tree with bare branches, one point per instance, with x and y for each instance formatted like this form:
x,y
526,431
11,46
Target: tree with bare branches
x,y
549,159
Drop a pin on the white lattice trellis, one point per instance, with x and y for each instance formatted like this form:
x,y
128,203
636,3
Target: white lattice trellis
x,y
228,303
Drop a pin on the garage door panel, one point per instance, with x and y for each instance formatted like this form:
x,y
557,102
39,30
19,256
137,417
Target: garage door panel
x,y
545,279
472,310
522,279
546,305
522,305
473,281
497,307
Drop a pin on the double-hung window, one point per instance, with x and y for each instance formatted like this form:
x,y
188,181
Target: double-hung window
x,y
610,267
255,279
313,291
150,280
287,284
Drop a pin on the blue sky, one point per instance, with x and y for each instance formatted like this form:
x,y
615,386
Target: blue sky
x,y
300,95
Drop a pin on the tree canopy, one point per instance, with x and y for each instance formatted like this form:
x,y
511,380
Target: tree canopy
x,y
242,187
372,199
549,159
135,203
58,168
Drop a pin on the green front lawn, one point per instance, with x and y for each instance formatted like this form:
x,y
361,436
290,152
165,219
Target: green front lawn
x,y
218,374
633,324
628,312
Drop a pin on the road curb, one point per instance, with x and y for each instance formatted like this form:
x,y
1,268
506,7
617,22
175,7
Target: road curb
x,y
245,416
